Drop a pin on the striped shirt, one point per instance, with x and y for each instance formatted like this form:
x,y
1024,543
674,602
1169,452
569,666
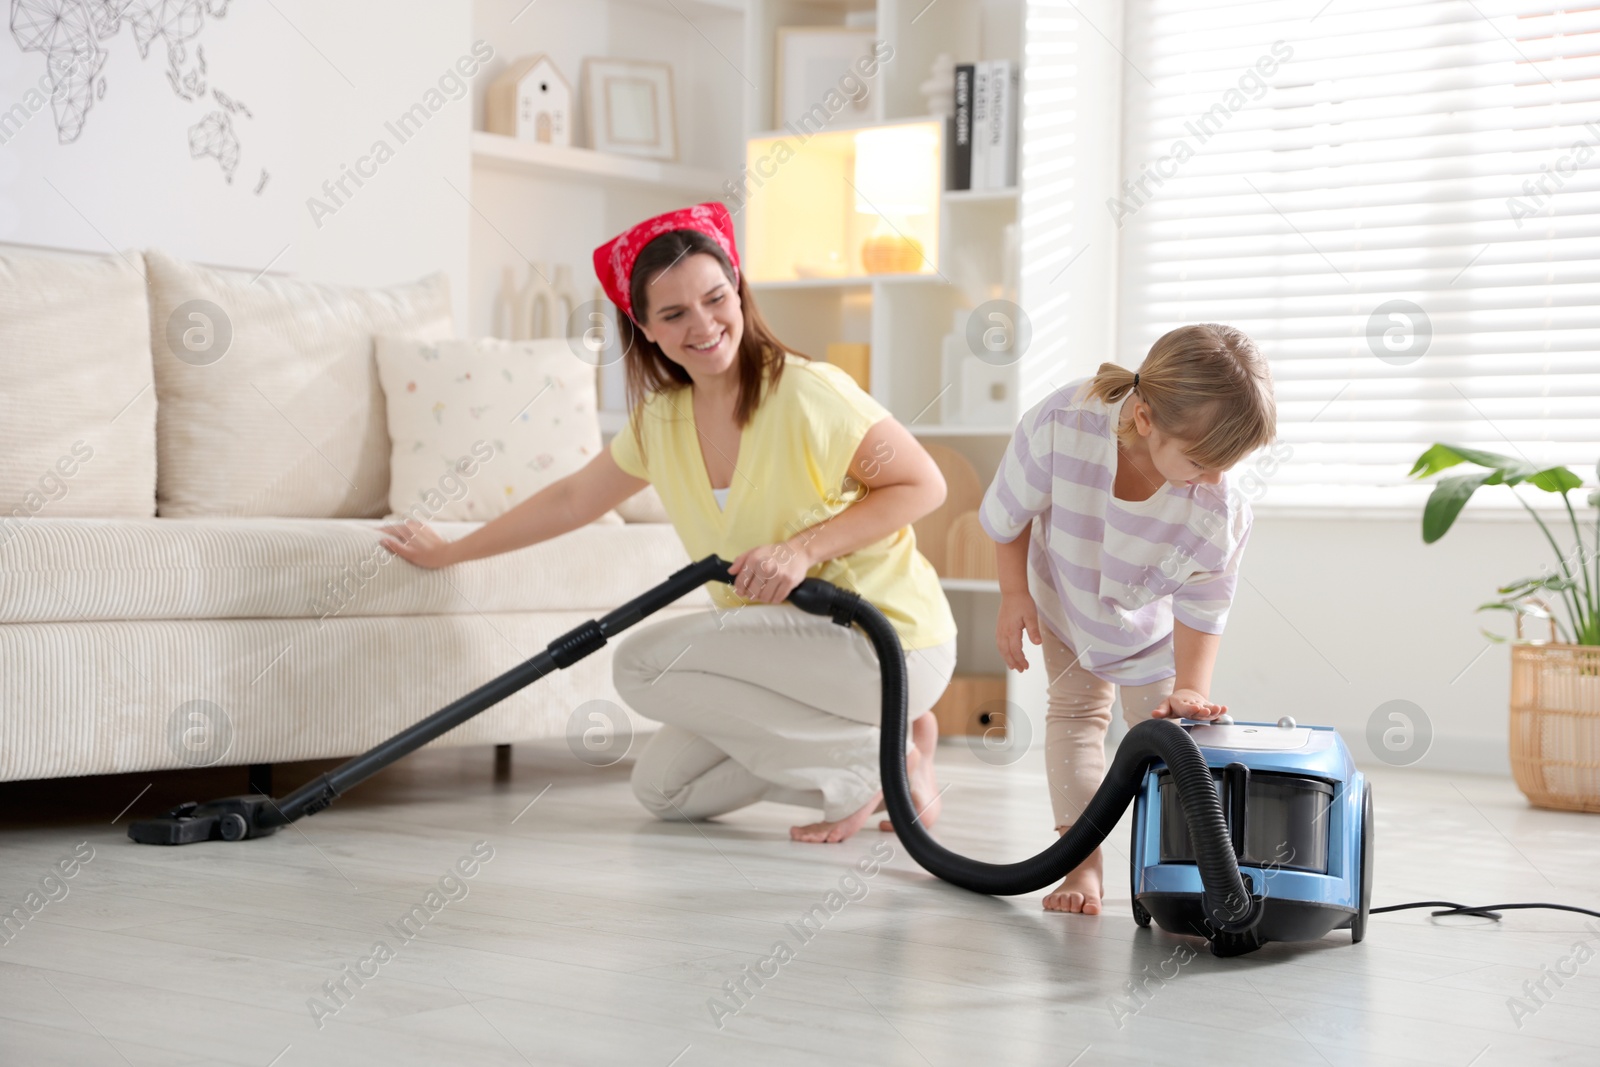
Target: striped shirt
x,y
1109,575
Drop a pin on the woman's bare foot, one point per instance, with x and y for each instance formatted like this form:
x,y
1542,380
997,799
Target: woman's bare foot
x,y
1082,889
832,832
919,769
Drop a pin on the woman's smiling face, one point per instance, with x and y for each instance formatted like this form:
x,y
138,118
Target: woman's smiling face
x,y
694,315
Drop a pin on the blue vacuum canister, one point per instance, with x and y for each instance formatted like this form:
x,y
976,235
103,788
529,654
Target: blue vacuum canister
x,y
1299,819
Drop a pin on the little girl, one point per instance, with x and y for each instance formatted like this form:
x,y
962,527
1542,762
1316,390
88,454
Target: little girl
x,y
1115,527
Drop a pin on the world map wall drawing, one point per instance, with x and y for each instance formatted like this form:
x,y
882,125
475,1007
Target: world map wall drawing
x,y
75,38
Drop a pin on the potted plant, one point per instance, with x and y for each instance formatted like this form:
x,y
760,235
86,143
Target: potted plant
x,y
1555,685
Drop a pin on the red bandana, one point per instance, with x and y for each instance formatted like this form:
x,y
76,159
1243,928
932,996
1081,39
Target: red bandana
x,y
613,261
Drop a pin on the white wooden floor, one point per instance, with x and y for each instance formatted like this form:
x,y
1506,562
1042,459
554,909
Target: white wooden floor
x,y
596,935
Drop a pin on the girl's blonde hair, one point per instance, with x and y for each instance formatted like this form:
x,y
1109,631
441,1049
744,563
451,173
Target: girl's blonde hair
x,y
1207,384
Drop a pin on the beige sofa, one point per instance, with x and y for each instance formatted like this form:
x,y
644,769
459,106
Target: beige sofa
x,y
189,569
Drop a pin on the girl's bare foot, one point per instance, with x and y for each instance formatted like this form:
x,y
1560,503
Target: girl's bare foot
x,y
919,769
832,832
1082,889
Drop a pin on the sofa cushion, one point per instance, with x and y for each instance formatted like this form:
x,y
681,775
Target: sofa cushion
x,y
269,402
478,427
274,690
80,570
77,416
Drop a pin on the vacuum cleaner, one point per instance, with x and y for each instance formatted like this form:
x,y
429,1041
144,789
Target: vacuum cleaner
x,y
1243,833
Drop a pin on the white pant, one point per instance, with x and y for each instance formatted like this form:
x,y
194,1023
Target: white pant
x,y
765,702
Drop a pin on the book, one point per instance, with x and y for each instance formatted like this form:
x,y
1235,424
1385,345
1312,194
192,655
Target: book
x,y
980,124
1013,167
999,132
960,157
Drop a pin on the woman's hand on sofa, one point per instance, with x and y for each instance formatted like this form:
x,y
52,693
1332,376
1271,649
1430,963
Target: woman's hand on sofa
x,y
417,542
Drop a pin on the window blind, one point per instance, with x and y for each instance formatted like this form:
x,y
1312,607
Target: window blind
x,y
1400,202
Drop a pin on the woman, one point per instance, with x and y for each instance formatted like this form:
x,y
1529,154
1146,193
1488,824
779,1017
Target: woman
x,y
789,469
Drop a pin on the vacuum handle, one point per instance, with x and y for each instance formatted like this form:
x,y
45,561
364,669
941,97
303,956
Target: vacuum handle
x,y
1236,783
683,581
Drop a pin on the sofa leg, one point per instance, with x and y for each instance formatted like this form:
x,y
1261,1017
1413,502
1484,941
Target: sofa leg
x,y
259,779
502,763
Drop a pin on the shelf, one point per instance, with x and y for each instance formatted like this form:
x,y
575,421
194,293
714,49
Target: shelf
x,y
935,430
692,8
586,165
980,196
970,585
783,132
847,281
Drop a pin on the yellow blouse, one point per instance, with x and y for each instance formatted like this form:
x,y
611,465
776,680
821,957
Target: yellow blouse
x,y
790,474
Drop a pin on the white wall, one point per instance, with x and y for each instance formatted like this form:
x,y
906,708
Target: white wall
x,y
406,221
1338,615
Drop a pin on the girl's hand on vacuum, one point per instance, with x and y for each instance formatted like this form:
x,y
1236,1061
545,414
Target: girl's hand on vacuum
x,y
1018,613
417,542
767,574
1187,704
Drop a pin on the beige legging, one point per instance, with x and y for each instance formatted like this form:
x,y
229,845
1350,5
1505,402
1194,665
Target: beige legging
x,y
1077,715
765,702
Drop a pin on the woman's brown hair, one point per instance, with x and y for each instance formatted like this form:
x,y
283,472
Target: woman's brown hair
x,y
649,371
1206,384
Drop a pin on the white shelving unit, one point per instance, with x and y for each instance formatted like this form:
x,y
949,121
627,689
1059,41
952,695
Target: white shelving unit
x,y
586,165
970,585
979,196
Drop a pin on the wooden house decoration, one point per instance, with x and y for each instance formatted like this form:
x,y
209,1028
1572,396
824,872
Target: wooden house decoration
x,y
531,101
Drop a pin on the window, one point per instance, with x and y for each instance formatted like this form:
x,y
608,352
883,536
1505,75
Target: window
x,y
1400,202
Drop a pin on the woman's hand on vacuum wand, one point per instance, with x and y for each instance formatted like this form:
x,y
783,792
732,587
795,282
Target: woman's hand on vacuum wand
x,y
767,574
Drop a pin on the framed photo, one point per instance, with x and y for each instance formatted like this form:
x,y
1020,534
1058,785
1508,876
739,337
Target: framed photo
x,y
816,61
630,107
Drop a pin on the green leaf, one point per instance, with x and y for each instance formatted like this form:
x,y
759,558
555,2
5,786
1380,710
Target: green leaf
x,y
1556,480
1524,586
1442,457
1495,605
1449,496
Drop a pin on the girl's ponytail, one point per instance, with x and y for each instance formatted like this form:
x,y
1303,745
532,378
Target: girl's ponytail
x,y
1111,383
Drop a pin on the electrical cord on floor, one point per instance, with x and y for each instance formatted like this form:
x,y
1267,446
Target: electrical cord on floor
x,y
1487,911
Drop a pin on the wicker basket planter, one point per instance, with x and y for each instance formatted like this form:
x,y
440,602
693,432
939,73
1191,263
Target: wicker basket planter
x,y
1555,725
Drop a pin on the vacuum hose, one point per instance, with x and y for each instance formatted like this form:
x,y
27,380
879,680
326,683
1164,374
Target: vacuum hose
x,y
1228,900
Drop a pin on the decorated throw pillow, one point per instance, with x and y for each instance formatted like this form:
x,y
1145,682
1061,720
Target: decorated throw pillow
x,y
477,427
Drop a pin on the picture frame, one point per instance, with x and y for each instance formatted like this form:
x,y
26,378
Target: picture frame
x,y
811,62
629,107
